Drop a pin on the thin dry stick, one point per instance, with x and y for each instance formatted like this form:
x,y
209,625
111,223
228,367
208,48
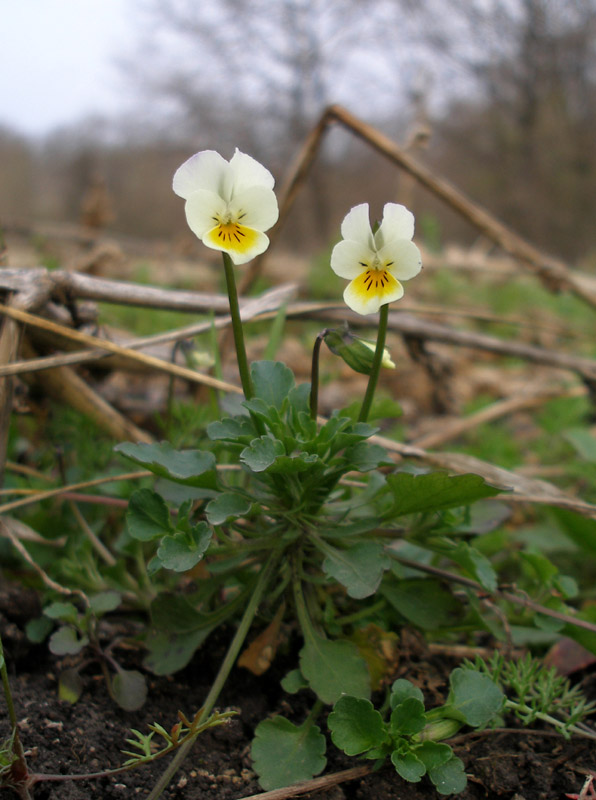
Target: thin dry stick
x,y
261,307
49,582
96,543
73,487
555,275
293,183
492,412
520,600
105,344
409,325
314,785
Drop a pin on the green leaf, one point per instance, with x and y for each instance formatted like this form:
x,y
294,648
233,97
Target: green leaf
x,y
583,442
449,778
272,381
191,467
433,754
435,491
291,465
226,506
181,551
334,668
424,602
65,612
358,568
543,567
408,766
468,557
169,652
580,530
364,457
401,690
130,689
475,697
174,614
356,726
293,682
147,516
65,642
37,629
284,753
104,602
70,686
407,717
261,453
232,429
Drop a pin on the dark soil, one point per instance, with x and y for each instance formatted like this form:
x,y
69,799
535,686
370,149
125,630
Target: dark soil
x,y
88,736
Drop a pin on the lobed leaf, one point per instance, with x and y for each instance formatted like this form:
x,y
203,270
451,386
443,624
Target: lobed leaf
x,y
434,491
333,668
356,726
359,568
284,753
474,696
191,467
147,516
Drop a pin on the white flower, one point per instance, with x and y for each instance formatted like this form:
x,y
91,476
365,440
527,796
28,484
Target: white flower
x,y
228,203
375,261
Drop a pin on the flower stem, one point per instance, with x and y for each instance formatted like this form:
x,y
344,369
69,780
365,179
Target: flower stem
x,y
314,375
245,378
376,366
224,671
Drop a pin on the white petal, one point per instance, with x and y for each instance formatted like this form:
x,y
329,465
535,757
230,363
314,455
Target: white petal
x,y
247,172
349,259
204,170
405,257
356,226
202,211
255,207
398,223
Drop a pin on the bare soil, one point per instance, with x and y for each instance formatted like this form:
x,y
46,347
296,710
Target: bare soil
x,y
62,738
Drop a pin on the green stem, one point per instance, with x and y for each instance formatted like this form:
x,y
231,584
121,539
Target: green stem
x,y
314,375
556,723
245,378
19,769
224,671
377,359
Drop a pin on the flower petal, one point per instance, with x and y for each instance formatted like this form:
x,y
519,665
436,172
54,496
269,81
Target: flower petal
x,y
367,298
398,223
255,207
350,258
242,243
356,226
203,210
205,170
402,258
247,172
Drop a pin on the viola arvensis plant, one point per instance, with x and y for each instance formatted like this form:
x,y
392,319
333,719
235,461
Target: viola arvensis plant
x,y
229,204
375,263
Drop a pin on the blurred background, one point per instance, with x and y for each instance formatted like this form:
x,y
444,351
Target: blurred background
x,y
101,100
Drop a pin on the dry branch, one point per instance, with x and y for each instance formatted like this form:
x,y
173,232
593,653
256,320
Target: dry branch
x,y
555,275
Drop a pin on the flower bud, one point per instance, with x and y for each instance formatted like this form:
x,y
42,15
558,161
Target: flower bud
x,y
443,728
356,352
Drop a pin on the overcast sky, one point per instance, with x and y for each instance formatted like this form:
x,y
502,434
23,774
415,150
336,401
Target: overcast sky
x,y
57,60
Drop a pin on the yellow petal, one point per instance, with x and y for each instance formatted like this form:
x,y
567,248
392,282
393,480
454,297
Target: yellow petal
x,y
372,289
241,242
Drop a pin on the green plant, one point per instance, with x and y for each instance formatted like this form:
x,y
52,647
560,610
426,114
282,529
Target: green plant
x,y
77,634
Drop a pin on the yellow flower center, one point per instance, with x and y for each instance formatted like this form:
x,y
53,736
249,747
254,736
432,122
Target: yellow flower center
x,y
375,279
228,235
